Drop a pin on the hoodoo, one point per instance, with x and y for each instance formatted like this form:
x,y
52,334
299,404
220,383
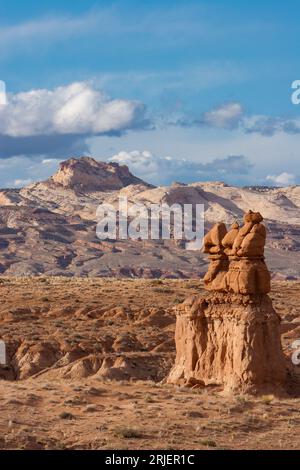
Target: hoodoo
x,y
231,336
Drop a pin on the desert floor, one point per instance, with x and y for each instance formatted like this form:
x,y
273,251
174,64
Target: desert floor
x,y
87,358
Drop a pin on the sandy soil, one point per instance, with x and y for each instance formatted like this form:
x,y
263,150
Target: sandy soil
x,y
86,361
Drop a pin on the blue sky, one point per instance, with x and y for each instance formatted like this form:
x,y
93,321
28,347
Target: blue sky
x,y
149,83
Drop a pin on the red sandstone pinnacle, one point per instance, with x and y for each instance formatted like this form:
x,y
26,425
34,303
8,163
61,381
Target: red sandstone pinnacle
x,y
231,336
230,340
245,271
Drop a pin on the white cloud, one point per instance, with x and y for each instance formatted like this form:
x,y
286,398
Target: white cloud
x,y
20,171
269,154
2,93
74,109
227,116
50,161
165,170
232,116
19,183
271,125
284,179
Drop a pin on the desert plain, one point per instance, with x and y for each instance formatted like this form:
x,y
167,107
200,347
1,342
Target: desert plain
x,y
87,360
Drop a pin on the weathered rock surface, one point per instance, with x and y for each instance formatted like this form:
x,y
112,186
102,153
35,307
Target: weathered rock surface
x,y
229,340
237,262
231,336
91,175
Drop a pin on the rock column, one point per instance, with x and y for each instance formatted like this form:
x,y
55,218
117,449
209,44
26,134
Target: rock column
x,y
231,336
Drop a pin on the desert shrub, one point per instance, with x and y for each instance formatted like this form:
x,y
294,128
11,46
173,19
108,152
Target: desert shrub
x,y
127,432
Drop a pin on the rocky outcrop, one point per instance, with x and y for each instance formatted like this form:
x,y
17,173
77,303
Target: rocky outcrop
x,y
219,264
231,336
229,340
237,257
9,197
88,174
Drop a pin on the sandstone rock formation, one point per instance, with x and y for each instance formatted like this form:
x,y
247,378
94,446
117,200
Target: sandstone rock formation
x,y
231,336
91,175
237,257
248,273
218,268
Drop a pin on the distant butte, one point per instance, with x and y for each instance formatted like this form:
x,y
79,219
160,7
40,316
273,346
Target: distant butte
x,y
92,175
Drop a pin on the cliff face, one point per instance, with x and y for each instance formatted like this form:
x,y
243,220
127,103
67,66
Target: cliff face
x,y
229,340
88,174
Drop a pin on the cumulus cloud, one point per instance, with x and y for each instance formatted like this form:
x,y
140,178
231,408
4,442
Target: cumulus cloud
x,y
72,109
269,126
232,116
59,120
227,116
2,93
165,170
284,179
19,183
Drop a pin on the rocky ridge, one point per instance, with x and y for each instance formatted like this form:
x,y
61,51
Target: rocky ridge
x,y
49,227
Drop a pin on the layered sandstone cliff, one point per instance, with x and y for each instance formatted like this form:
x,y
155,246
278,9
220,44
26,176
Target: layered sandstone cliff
x,y
91,175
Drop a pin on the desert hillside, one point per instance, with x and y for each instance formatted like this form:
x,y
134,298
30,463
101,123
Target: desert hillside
x,y
86,370
49,227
